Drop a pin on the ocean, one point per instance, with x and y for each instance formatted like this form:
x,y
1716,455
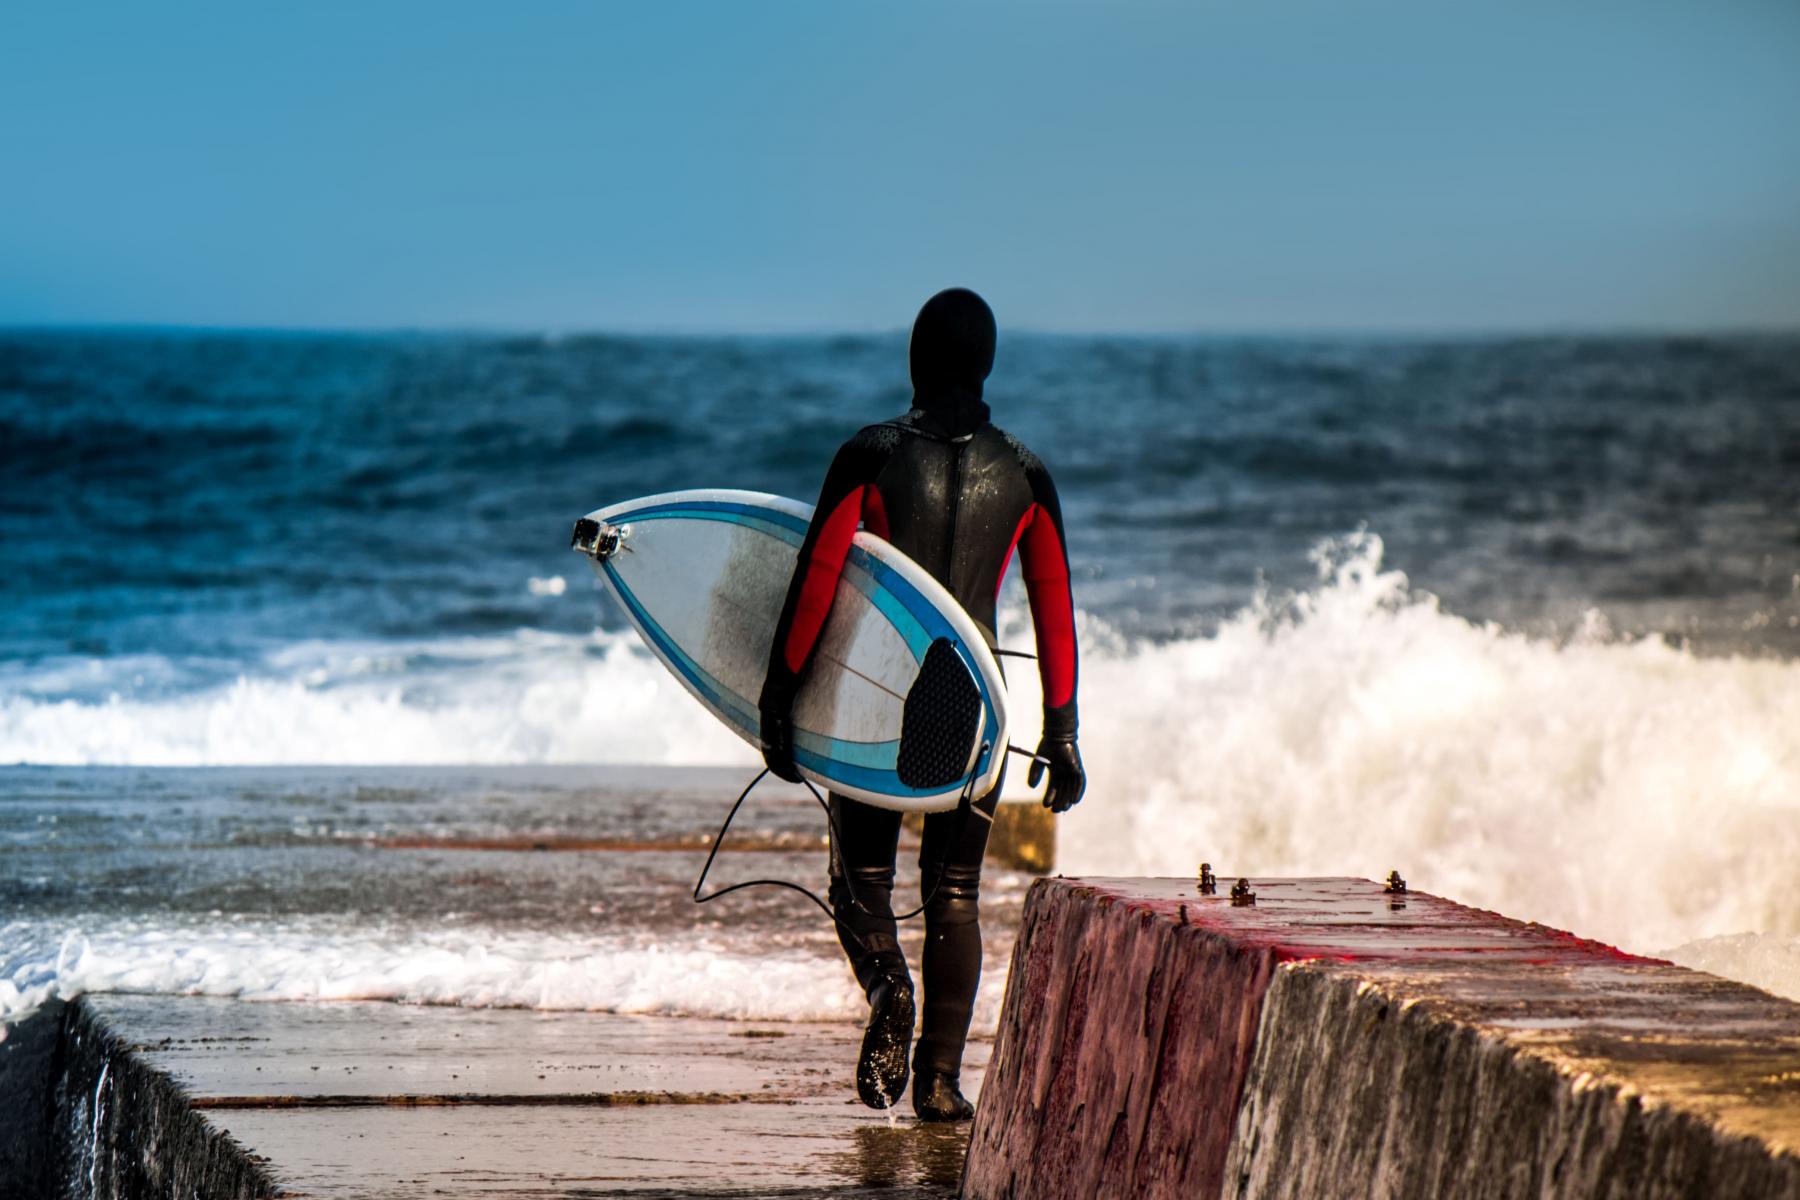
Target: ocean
x,y
290,616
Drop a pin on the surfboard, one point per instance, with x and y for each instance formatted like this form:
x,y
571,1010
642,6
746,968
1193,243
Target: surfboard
x,y
903,705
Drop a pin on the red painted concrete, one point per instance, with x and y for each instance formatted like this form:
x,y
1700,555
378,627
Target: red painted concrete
x,y
1350,920
1132,1010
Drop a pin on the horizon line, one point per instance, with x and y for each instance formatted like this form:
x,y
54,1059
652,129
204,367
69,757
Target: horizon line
x,y
1219,333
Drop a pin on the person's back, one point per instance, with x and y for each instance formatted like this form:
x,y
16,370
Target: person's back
x,y
957,495
956,504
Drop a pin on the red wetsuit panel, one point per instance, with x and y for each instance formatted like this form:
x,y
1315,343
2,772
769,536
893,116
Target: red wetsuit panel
x,y
1045,566
1006,561
826,566
819,585
874,512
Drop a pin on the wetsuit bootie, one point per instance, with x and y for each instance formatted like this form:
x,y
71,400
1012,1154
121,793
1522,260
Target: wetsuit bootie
x,y
938,1097
881,1071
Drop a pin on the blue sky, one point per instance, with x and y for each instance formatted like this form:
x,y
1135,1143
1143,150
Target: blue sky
x,y
1284,166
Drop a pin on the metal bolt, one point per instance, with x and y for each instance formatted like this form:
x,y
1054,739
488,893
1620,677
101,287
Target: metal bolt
x,y
1396,886
1241,895
1209,885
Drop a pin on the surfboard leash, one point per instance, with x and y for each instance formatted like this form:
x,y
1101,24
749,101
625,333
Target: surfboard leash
x,y
964,804
749,883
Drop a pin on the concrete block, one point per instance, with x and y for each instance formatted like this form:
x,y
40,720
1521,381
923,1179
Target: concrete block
x,y
1333,1039
29,1061
123,1130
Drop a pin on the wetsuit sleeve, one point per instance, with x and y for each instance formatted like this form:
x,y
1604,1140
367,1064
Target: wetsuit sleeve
x,y
849,493
1044,564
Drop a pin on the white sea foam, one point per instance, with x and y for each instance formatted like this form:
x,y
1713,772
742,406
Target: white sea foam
x,y
683,974
529,698
1768,961
1629,791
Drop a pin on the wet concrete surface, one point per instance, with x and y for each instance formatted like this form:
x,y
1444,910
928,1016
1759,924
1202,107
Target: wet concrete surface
x,y
377,1099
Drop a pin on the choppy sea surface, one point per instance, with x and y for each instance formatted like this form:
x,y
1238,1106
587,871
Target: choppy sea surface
x,y
1518,617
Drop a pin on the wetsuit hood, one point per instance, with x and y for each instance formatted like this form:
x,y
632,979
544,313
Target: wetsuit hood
x,y
951,354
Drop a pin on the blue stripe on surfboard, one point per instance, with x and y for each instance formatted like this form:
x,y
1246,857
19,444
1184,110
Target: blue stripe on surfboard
x,y
721,510
727,703
860,571
869,756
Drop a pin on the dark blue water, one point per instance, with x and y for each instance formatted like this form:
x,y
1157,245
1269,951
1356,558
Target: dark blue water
x,y
206,497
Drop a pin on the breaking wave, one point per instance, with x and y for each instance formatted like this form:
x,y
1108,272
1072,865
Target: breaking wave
x,y
1627,789
1630,790
531,697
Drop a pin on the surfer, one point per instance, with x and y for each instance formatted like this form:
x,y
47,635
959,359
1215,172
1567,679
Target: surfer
x,y
958,496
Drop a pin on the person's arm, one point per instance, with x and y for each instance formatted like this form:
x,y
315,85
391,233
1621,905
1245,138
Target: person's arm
x,y
1044,564
848,496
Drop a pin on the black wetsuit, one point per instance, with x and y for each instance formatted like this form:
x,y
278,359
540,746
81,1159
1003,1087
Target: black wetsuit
x,y
958,496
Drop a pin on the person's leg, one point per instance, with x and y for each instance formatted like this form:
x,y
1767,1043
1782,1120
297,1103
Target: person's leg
x,y
862,889
862,886
950,877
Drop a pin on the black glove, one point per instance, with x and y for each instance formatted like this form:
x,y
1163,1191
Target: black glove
x,y
1067,780
776,729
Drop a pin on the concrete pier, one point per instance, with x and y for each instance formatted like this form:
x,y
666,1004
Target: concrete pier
x,y
1336,1039
1328,1039
158,1096
87,1115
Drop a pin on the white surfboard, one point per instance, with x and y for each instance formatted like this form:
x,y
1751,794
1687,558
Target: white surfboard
x,y
903,706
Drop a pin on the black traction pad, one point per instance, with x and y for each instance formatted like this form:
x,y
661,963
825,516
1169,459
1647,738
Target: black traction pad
x,y
940,721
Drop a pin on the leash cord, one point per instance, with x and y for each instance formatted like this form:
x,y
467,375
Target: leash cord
x,y
963,806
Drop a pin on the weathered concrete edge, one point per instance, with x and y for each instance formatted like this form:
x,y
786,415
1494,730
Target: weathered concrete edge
x,y
1064,1110
120,1128
29,1061
1482,1091
1355,1088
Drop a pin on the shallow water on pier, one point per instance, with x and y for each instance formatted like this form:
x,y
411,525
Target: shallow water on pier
x,y
372,883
